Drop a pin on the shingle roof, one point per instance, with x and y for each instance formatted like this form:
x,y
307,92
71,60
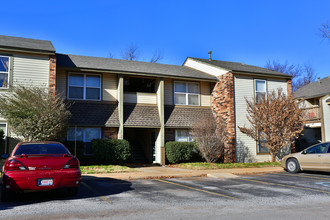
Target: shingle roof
x,y
184,117
241,67
8,42
141,115
94,114
314,89
99,63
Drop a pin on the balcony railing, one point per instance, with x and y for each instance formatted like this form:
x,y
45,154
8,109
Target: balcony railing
x,y
312,113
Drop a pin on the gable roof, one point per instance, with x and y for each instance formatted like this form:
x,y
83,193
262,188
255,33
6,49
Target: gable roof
x,y
314,89
109,64
19,43
241,67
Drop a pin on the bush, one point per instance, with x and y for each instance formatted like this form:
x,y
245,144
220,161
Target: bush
x,y
111,151
178,152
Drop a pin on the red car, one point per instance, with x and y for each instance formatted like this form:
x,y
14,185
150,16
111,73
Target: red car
x,y
40,166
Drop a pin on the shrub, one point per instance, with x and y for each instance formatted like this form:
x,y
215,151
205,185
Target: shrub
x,y
111,151
178,152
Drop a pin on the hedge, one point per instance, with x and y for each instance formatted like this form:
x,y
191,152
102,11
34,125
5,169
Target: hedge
x,y
178,152
111,151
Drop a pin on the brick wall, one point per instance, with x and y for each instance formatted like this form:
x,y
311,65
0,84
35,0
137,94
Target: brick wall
x,y
223,107
289,87
52,74
169,134
110,133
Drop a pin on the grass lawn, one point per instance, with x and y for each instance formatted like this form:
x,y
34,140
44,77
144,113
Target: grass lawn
x,y
105,169
212,166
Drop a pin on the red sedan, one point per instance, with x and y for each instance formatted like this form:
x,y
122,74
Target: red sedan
x,y
40,166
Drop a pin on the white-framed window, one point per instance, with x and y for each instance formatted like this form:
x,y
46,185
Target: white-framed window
x,y
4,71
186,93
183,135
260,88
86,135
261,146
84,86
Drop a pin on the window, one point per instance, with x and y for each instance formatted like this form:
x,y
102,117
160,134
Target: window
x,y
183,135
186,93
136,84
84,86
84,134
318,149
4,71
260,87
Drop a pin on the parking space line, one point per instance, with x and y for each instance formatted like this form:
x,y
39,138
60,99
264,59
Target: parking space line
x,y
196,189
284,185
305,176
97,193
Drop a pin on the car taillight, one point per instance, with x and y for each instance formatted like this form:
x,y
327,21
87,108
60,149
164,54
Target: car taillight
x,y
14,165
72,164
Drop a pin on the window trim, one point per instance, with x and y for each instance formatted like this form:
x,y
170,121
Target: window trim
x,y
187,93
255,87
84,86
84,136
9,69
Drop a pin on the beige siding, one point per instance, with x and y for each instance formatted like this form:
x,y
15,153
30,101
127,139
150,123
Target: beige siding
x,y
168,91
110,84
205,94
140,98
61,85
244,87
158,147
276,84
30,70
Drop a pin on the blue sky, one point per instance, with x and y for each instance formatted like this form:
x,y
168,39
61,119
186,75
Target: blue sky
x,y
250,32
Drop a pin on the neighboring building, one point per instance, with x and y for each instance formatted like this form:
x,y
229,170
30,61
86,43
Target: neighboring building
x,y
26,62
237,81
315,100
147,104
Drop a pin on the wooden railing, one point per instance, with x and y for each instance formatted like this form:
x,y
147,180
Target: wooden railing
x,y
312,113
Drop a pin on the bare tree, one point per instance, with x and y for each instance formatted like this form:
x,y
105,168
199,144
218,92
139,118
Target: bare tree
x,y
158,55
110,55
325,30
301,76
275,119
131,53
211,137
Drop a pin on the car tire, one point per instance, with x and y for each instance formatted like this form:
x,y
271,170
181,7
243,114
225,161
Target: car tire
x,y
6,196
292,165
72,191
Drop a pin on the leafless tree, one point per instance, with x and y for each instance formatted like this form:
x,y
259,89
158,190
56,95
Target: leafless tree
x,y
325,30
158,55
301,76
131,53
110,55
211,137
275,119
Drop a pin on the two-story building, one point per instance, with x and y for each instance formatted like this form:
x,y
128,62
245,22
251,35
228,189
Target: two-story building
x,y
25,62
147,104
314,98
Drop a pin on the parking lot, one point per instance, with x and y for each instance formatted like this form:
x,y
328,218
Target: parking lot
x,y
271,196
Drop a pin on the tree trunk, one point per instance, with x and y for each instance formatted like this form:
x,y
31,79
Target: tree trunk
x,y
273,156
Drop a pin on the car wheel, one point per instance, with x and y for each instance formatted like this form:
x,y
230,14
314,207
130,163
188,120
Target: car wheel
x,y
72,191
292,166
6,195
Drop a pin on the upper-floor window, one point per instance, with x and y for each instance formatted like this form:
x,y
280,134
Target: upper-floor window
x,y
186,93
260,89
4,71
84,86
137,84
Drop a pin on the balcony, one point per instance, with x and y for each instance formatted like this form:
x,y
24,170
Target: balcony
x,y
312,114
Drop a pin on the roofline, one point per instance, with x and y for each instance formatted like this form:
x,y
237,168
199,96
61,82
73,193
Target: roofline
x,y
199,61
313,96
17,49
262,74
135,73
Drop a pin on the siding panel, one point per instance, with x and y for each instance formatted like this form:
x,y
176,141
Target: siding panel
x,y
110,84
140,98
168,91
205,94
30,70
61,84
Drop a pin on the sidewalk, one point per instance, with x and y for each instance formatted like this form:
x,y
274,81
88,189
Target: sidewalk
x,y
158,172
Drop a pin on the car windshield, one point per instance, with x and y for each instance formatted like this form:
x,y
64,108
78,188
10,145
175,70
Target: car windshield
x,y
40,148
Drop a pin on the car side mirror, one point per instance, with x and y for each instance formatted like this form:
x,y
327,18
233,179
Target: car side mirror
x,y
4,156
304,152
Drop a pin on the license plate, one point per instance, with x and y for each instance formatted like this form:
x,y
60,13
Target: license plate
x,y
45,182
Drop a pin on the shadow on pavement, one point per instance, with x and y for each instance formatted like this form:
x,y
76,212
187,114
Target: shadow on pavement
x,y
91,187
